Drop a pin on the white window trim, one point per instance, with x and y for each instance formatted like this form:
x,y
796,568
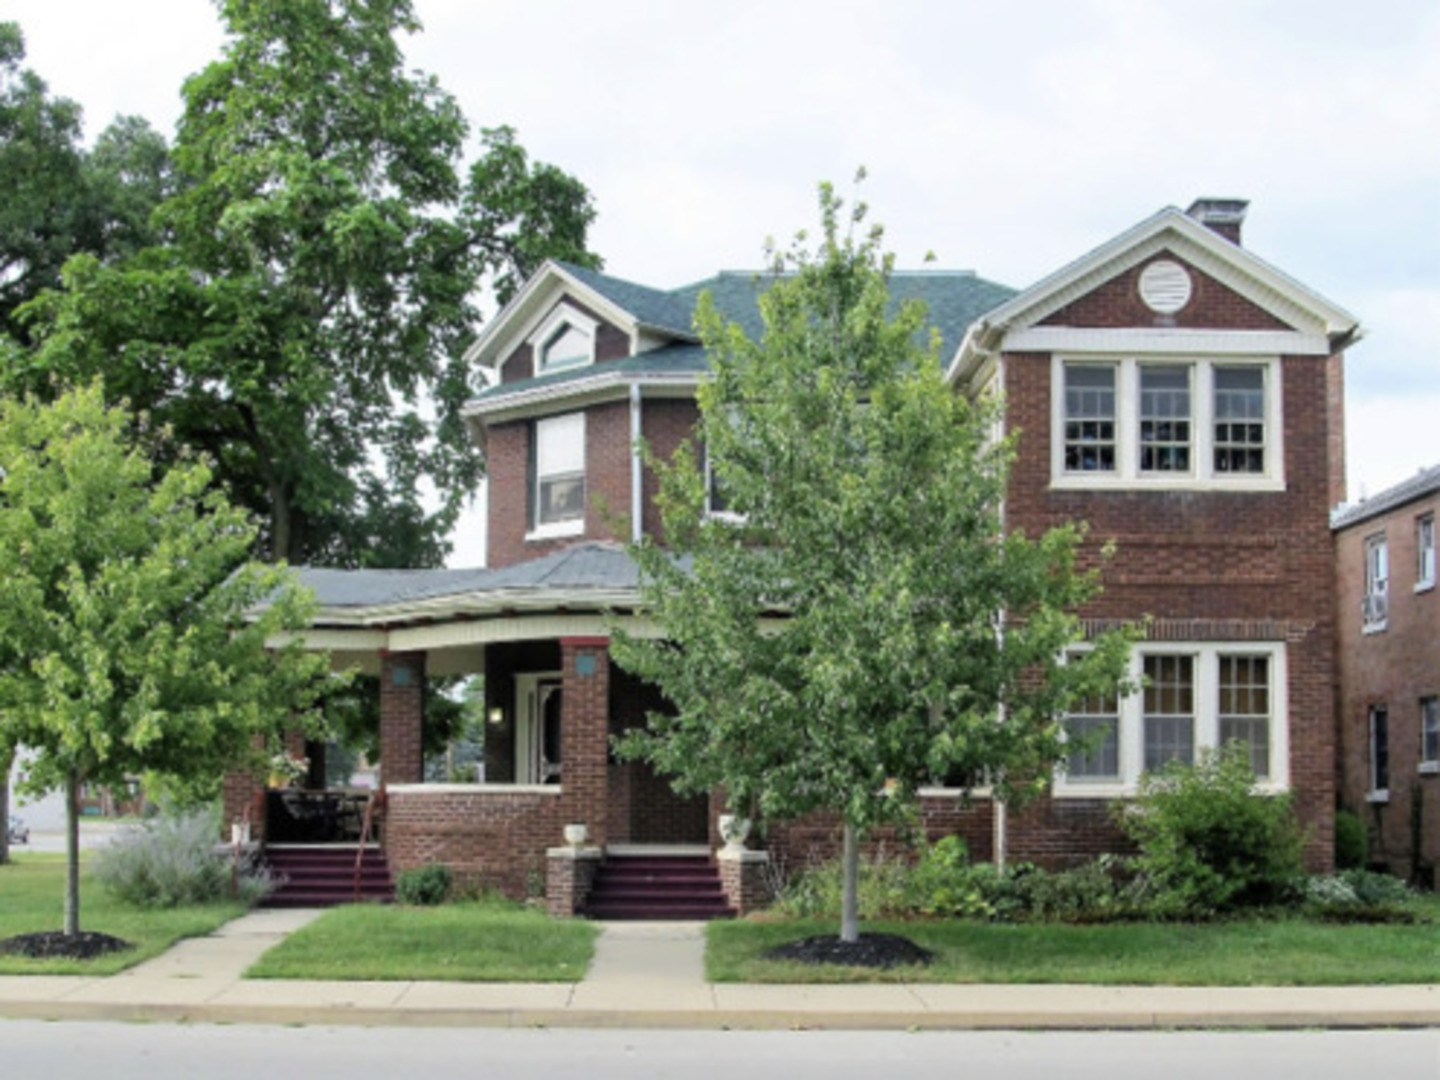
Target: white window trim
x,y
572,526
1428,765
1202,476
1207,716
563,315
1424,584
1371,625
1376,794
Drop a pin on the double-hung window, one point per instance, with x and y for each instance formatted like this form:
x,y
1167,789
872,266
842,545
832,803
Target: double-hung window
x,y
558,497
1425,552
1379,754
1376,601
1167,423
1194,697
1430,734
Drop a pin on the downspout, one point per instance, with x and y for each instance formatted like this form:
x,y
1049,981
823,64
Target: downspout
x,y
998,841
637,491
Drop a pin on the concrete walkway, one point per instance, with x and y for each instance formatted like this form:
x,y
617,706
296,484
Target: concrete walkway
x,y
648,975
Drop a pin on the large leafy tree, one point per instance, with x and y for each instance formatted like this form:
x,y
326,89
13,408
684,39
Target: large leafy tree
x,y
303,321
861,623
60,198
132,630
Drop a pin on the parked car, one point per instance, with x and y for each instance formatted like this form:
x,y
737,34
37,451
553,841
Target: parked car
x,y
19,831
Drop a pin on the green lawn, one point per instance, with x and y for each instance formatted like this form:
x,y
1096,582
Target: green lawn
x,y
32,898
484,941
1281,952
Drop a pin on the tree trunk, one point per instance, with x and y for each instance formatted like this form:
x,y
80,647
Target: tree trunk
x,y
280,524
7,762
72,854
850,894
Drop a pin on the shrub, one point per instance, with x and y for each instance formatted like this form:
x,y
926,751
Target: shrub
x,y
425,886
1352,843
1101,890
1209,842
1360,896
175,859
884,889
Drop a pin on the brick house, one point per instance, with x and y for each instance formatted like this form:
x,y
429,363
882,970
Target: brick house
x,y
1389,631
1170,388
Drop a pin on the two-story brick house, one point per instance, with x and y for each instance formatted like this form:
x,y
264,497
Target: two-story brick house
x,y
1389,630
1169,387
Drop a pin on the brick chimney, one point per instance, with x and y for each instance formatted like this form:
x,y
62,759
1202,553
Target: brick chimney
x,y
1224,216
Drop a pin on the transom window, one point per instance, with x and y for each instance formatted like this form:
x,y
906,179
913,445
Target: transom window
x,y
1377,583
558,499
1146,423
1425,552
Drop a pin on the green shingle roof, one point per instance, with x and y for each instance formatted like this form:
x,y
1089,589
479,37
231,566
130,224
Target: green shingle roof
x,y
953,298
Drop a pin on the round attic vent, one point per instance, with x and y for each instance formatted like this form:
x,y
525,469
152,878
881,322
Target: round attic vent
x,y
1165,287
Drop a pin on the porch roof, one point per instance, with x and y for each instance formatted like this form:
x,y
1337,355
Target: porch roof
x,y
586,576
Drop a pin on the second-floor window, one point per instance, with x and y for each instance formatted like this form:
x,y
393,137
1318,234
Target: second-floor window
x,y
558,498
1376,602
1425,552
1137,423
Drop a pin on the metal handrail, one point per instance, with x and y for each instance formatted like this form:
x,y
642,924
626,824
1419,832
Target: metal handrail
x,y
365,826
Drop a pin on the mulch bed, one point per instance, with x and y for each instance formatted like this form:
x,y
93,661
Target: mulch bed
x,y
882,951
54,944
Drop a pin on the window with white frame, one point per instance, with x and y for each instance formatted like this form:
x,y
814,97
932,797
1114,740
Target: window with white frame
x,y
1379,753
558,497
1376,601
1146,423
1169,697
1430,734
1092,732
565,339
1194,697
1425,552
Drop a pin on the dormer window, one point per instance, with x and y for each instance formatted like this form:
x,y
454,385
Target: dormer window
x,y
564,340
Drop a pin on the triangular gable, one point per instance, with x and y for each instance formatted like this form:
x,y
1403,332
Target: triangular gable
x,y
549,286
1265,308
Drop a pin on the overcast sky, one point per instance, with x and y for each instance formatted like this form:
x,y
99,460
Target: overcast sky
x,y
1008,138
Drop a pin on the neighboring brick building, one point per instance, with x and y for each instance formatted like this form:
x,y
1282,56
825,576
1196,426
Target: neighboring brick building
x,y
1389,687
1170,388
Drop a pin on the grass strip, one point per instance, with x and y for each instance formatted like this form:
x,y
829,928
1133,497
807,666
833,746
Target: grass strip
x,y
32,899
1260,952
479,941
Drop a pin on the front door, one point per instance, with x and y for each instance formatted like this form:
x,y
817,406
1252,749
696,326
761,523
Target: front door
x,y
537,735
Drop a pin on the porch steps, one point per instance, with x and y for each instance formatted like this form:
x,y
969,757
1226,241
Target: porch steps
x,y
639,887
324,876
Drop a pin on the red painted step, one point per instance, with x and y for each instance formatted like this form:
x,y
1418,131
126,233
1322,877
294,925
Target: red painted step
x,y
325,876
634,887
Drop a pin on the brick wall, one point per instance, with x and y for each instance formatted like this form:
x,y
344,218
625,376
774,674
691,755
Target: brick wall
x,y
585,663
644,808
402,710
1394,668
491,838
665,423
1117,303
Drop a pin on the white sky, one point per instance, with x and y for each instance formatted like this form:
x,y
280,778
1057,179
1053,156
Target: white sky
x,y
1008,138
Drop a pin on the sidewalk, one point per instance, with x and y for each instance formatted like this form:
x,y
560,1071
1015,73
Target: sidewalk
x,y
649,975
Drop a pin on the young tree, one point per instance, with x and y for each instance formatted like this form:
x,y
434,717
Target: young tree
x,y
309,305
132,631
861,623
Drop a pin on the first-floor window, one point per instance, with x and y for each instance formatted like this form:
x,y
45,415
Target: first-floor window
x,y
1092,731
559,498
1430,731
1245,707
1169,711
1379,750
1192,698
